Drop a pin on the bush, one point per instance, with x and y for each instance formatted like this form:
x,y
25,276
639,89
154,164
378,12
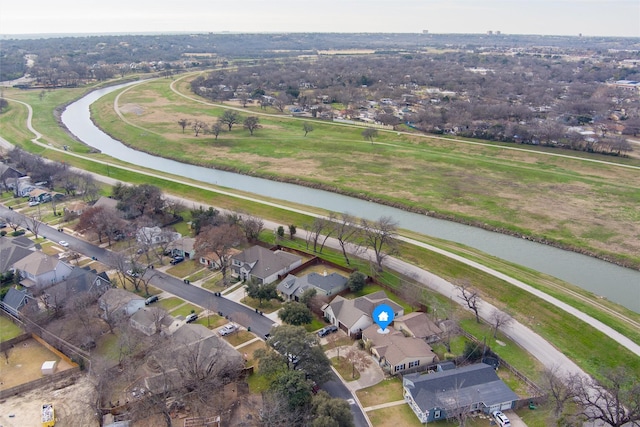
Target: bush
x,y
3,233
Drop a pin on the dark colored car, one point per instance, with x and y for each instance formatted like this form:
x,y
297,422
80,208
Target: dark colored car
x,y
327,330
151,299
177,260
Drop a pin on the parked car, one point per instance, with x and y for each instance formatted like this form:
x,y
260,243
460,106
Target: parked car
x,y
501,419
34,203
191,318
177,260
327,330
63,243
151,299
133,273
227,329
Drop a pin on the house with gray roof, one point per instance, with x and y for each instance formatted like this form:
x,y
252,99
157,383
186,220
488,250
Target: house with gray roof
x,y
10,253
148,320
39,270
8,176
117,303
262,264
355,315
106,203
440,395
15,301
292,287
183,246
396,352
81,281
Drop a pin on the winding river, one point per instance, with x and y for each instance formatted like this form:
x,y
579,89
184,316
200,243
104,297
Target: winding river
x,y
618,284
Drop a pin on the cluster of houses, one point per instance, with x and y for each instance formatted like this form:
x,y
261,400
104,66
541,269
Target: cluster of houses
x,y
437,395
404,350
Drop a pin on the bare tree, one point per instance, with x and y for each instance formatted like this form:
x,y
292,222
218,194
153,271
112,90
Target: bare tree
x,y
380,236
252,123
498,319
33,222
614,401
369,133
252,226
347,232
359,360
230,118
183,124
220,241
199,126
470,295
14,220
319,231
216,128
561,389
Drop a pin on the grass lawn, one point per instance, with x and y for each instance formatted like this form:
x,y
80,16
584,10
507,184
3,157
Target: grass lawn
x,y
249,350
257,383
389,390
315,325
185,310
239,337
8,329
214,283
185,268
170,303
107,346
212,321
394,416
345,368
201,274
266,306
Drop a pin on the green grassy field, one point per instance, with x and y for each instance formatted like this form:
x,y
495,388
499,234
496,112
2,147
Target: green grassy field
x,y
523,192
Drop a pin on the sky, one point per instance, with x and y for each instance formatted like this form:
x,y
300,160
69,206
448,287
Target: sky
x,y
546,17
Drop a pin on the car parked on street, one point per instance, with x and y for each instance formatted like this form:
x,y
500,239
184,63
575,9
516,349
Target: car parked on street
x,y
63,243
227,329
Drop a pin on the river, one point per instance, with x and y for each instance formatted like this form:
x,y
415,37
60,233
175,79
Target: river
x,y
618,284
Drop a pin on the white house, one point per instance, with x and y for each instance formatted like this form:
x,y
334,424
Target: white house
x,y
40,270
155,235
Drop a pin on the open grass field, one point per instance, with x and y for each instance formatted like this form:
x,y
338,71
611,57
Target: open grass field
x,y
586,205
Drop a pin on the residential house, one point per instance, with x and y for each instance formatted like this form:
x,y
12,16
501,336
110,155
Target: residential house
x,y
206,351
119,303
40,195
39,270
354,316
76,208
80,281
292,287
106,203
262,264
396,352
438,396
17,301
8,176
147,320
11,252
418,325
183,247
155,235
212,261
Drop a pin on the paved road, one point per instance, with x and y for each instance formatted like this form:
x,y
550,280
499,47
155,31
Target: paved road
x,y
336,388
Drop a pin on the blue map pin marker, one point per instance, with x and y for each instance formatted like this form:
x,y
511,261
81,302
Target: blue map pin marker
x,y
383,316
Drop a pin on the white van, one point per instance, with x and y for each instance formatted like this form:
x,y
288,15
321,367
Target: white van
x,y
501,419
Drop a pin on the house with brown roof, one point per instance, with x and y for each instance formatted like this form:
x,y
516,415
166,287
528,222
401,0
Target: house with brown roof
x,y
354,315
106,203
39,270
76,208
211,259
396,352
262,264
418,325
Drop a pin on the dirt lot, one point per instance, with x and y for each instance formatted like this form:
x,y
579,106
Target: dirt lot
x,y
71,404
